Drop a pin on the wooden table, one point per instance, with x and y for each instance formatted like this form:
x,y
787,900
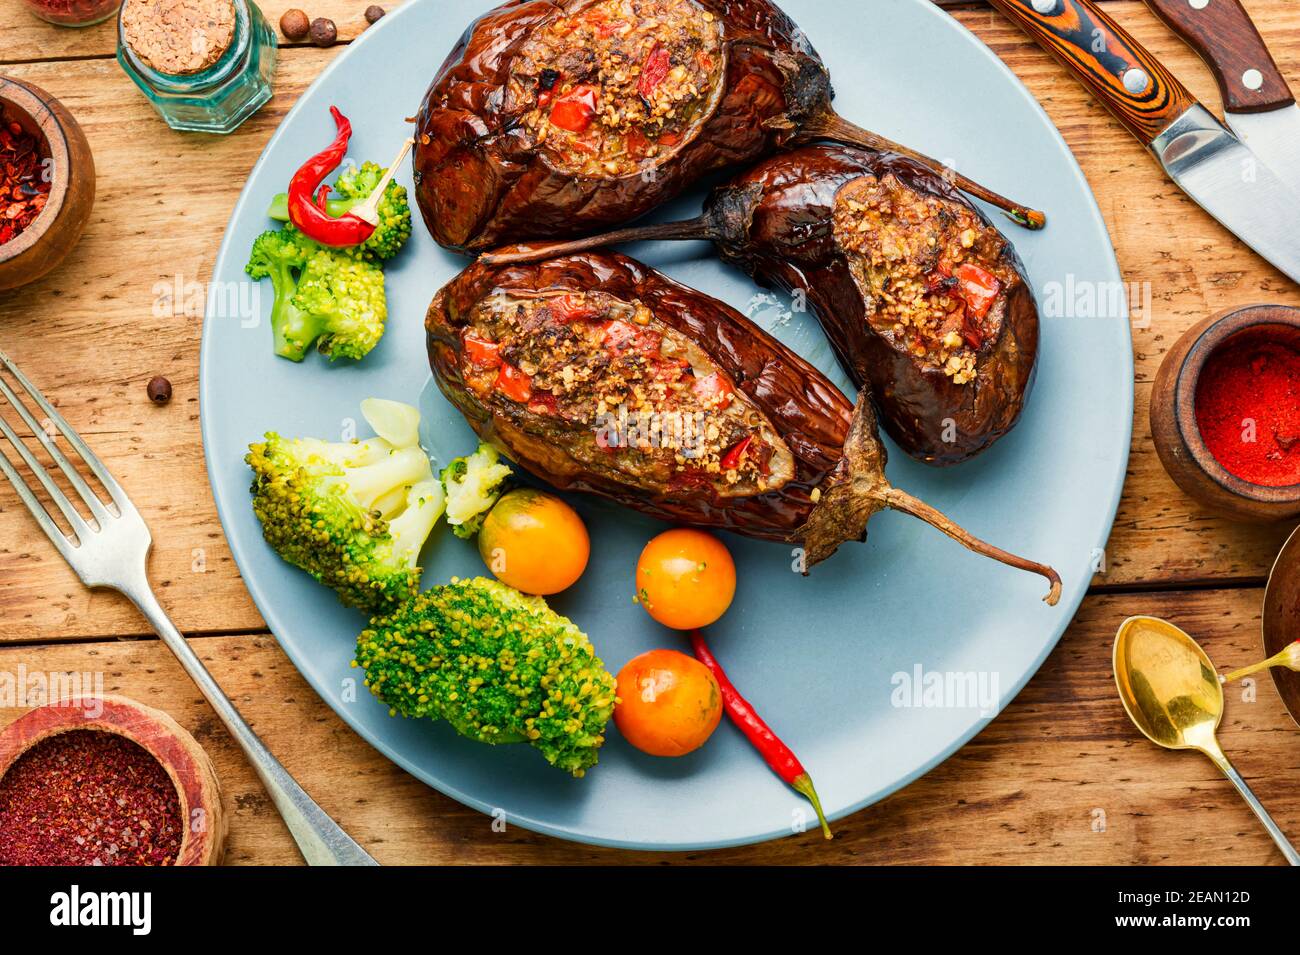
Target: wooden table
x,y
1059,777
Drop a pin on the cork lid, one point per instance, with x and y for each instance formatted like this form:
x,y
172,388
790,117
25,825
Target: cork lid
x,y
178,37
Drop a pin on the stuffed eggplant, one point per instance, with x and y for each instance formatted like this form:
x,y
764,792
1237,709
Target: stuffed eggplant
x,y
598,374
922,298
554,118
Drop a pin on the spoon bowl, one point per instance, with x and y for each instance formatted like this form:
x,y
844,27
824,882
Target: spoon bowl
x,y
1171,691
1167,684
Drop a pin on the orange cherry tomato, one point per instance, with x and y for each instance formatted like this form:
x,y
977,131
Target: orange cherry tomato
x,y
534,542
669,703
685,579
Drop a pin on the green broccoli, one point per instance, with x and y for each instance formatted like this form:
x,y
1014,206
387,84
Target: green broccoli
x,y
278,254
498,666
335,301
353,515
340,305
473,484
353,187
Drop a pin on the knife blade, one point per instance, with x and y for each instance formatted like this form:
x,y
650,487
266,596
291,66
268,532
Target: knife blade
x,y
1257,102
1216,170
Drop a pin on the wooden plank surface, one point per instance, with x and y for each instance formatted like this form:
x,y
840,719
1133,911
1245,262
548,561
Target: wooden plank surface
x,y
1032,788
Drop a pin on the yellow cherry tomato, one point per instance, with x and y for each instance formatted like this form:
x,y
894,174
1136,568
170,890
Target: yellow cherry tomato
x,y
669,703
685,579
534,542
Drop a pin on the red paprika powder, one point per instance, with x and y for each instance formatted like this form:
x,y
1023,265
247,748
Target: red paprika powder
x,y
87,797
1248,411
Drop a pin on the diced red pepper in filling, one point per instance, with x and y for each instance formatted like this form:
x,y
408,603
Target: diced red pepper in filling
x,y
979,287
731,460
543,402
637,143
482,352
575,110
619,336
669,139
654,71
571,308
513,383
713,390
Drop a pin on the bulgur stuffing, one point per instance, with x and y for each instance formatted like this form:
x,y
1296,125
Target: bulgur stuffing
x,y
616,86
623,391
932,269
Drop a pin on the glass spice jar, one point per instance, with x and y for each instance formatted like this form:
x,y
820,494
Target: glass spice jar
x,y
73,13
205,65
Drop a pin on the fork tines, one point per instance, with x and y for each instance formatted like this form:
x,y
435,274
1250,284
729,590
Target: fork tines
x,y
100,510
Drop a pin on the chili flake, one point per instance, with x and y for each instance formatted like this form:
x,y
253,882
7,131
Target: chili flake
x,y
24,188
88,797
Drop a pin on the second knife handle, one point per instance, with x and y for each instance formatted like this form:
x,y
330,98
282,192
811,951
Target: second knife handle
x,y
1222,32
1123,74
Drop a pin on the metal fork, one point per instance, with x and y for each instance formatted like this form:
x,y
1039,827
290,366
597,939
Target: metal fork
x,y
112,551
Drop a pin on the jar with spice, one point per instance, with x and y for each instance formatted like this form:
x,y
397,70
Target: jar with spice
x,y
206,65
73,13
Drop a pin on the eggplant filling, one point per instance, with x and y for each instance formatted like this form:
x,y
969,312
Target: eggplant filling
x,y
931,270
619,84
622,393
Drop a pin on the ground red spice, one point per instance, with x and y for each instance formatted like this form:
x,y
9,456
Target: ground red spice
x,y
1248,411
87,797
24,187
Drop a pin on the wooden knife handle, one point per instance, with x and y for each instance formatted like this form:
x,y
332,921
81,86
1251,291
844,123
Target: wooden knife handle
x,y
1222,32
1142,94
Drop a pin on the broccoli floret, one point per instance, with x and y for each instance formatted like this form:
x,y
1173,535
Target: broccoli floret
x,y
473,484
353,515
353,187
279,255
498,666
339,304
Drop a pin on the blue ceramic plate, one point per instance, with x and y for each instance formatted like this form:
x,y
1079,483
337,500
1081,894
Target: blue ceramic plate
x,y
845,663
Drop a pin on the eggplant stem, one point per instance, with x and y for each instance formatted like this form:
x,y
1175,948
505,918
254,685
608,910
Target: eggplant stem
x,y
902,501
698,228
830,125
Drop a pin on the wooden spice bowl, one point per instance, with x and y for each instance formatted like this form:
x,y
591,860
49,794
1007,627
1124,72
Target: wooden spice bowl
x,y
178,753
1281,619
1177,436
47,241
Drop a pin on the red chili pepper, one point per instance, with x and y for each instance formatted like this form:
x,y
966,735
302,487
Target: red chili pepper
x,y
732,458
313,221
514,384
979,287
654,71
576,109
779,757
482,352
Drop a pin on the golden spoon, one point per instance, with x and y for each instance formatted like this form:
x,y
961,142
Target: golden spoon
x,y
1172,694
1288,656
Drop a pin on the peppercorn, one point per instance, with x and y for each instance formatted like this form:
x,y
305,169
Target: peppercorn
x,y
373,13
294,24
160,390
323,32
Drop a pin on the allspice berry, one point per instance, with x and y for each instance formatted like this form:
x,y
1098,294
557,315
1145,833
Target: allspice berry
x,y
374,12
160,390
295,25
323,31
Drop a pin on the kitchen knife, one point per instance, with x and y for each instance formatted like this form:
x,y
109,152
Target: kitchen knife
x,y
1198,152
1257,102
